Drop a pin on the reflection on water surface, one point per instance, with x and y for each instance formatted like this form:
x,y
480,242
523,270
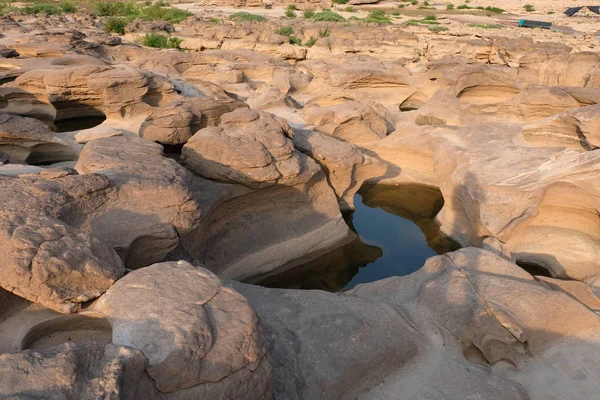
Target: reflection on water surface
x,y
396,234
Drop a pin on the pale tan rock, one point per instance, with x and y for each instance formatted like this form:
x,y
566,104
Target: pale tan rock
x,y
46,261
29,140
193,330
150,201
248,147
91,90
177,122
353,122
346,166
578,290
85,371
87,135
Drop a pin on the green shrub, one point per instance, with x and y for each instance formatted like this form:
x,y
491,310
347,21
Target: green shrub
x,y
285,31
450,7
425,3
308,14
395,13
116,25
413,22
68,6
463,7
296,41
169,14
214,20
496,10
116,8
328,16
529,7
339,1
400,5
430,18
160,41
41,8
437,29
414,2
378,17
550,12
291,7
290,14
349,9
324,33
243,16
310,42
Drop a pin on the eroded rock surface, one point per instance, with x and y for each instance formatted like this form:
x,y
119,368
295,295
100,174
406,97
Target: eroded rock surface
x,y
179,315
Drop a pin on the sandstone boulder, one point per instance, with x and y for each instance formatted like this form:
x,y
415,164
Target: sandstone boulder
x,y
248,147
252,164
194,331
177,122
352,122
29,140
86,91
346,166
49,262
150,202
85,371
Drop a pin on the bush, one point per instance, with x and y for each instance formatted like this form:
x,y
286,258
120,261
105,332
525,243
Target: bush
x,y
450,7
339,1
116,8
430,18
308,14
160,41
157,13
310,42
291,7
463,7
349,9
290,14
529,7
67,6
550,12
116,25
295,40
42,8
400,5
243,16
324,33
329,16
378,17
437,29
131,11
495,10
285,31
414,2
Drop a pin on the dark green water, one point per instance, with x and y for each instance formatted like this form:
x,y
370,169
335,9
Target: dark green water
x,y
396,233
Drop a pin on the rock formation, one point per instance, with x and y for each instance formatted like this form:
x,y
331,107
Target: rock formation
x,y
149,196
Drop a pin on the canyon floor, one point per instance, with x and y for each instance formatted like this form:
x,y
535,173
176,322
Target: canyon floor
x,y
169,172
